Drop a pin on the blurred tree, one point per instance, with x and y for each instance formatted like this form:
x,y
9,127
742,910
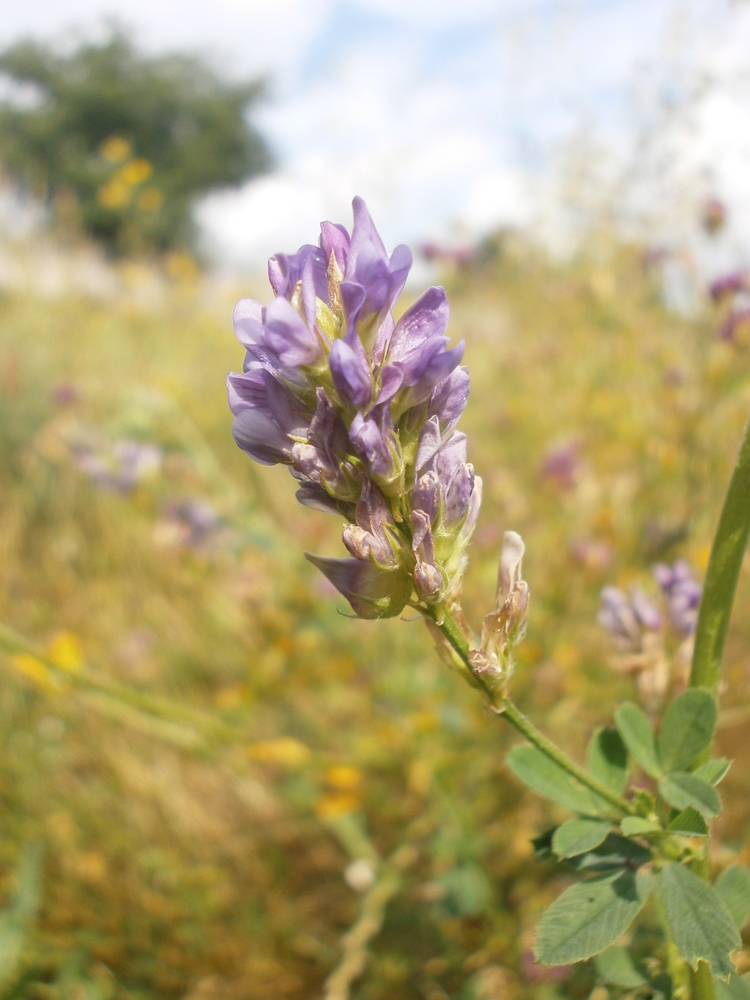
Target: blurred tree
x,y
123,143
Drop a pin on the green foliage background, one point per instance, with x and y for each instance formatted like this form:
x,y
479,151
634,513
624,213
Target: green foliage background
x,y
214,869
124,144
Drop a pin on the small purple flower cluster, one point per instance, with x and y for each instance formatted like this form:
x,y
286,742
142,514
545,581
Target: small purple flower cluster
x,y
119,466
363,409
626,618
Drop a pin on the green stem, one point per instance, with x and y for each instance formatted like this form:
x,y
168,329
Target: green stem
x,y
722,574
516,718
506,708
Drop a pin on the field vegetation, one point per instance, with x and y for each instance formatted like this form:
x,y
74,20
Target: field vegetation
x,y
208,773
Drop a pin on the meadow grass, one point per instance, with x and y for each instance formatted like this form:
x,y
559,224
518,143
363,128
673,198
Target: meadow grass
x,y
244,741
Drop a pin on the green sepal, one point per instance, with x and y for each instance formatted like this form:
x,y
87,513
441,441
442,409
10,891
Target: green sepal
x,y
578,836
688,823
607,759
687,729
682,789
618,967
713,770
590,916
639,738
701,924
733,885
546,778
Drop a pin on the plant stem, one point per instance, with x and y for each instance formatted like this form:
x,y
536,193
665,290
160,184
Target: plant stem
x,y
727,553
722,574
507,709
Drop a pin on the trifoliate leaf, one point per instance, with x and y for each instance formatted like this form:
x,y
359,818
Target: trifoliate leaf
x,y
578,836
700,922
689,823
681,789
733,885
639,738
590,916
713,770
607,759
617,966
687,729
546,778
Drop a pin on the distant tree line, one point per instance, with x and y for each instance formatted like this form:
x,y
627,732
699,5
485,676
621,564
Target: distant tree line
x,y
122,143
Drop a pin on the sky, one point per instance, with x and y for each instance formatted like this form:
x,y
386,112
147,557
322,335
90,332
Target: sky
x,y
454,117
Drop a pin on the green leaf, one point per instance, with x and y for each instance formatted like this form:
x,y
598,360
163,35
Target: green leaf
x,y
546,778
735,988
578,836
607,759
617,966
689,823
701,924
733,885
687,729
636,731
681,790
615,853
713,771
634,826
590,916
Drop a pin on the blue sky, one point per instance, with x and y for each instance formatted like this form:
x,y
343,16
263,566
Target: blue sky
x,y
450,117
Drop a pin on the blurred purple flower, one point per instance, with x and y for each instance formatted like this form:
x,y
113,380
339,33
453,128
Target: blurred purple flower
x,y
728,284
627,617
562,464
683,594
363,410
119,466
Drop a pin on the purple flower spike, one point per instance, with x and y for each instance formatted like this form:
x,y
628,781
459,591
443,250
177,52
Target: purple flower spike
x,y
363,411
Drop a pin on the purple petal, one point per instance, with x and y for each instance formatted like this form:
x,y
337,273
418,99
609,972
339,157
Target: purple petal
x,y
371,444
449,398
257,433
429,442
644,610
371,591
334,239
350,373
458,494
391,379
426,495
248,319
287,336
451,457
426,319
353,297
285,271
